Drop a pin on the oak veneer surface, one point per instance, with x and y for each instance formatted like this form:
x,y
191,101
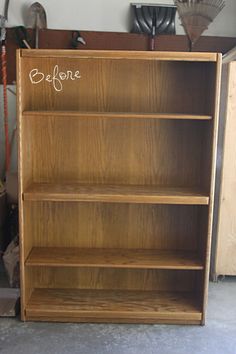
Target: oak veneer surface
x,y
170,280
96,152
212,151
109,304
136,320
112,115
113,258
113,225
115,193
124,85
121,54
120,151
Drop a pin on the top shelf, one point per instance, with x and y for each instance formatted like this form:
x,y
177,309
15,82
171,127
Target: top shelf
x,y
121,54
116,115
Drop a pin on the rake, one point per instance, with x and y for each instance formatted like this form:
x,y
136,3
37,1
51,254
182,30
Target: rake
x,y
196,15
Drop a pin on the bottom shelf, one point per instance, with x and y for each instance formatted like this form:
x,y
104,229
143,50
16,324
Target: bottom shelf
x,y
73,305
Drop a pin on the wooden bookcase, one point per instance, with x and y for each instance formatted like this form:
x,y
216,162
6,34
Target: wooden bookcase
x,y
117,165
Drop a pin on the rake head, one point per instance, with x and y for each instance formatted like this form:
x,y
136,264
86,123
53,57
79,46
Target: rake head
x,y
196,15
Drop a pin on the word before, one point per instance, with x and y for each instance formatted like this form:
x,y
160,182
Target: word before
x,y
55,78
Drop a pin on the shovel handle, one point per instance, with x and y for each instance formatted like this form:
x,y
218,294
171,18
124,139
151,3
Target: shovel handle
x,y
37,31
5,103
36,37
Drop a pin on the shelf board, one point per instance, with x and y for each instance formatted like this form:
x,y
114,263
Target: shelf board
x,y
114,194
112,305
113,258
114,115
121,54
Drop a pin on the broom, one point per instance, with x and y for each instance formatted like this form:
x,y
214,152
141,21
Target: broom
x,y
196,15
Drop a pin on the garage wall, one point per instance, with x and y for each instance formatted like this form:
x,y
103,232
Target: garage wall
x,y
107,15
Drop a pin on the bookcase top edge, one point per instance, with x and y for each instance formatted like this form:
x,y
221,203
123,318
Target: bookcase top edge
x,y
120,54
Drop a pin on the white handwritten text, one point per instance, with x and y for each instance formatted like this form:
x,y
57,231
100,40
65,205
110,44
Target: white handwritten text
x,y
55,78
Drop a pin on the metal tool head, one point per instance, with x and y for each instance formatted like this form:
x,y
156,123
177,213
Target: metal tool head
x,y
2,28
3,20
149,18
36,16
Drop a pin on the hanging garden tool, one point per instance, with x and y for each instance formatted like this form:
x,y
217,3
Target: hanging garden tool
x,y
196,15
37,20
77,39
22,37
153,20
3,19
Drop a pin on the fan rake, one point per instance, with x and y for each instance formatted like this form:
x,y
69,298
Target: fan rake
x,y
196,15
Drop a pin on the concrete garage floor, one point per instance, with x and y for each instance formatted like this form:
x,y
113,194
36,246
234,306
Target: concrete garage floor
x,y
217,337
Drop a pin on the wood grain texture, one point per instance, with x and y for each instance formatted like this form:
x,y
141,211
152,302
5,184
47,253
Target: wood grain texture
x,y
225,262
120,151
117,320
87,181
24,176
114,193
112,304
113,258
117,115
117,55
212,151
97,92
114,278
115,225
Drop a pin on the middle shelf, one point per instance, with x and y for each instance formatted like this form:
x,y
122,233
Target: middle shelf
x,y
115,193
117,115
114,258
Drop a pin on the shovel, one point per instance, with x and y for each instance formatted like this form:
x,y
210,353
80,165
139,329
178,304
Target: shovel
x,y
153,20
37,19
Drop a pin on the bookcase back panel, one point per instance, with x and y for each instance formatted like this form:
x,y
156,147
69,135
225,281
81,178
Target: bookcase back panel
x,y
104,225
94,278
93,84
133,151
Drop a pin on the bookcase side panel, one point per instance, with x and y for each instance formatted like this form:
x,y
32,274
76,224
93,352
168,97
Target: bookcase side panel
x,y
212,150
